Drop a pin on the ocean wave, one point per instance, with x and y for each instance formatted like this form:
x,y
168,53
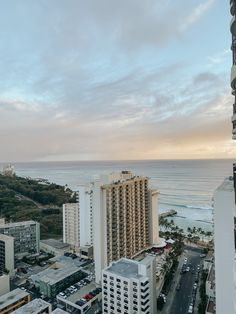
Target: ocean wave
x,y
188,206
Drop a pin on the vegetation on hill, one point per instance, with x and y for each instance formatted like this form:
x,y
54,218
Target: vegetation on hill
x,y
25,199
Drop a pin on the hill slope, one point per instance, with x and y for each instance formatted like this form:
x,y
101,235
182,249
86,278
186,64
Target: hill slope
x,y
25,199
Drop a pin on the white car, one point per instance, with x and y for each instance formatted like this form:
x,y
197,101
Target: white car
x,y
190,309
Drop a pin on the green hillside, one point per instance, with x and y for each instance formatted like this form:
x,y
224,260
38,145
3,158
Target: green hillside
x,y
25,199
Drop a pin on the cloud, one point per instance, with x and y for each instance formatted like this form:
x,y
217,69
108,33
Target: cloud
x,y
196,14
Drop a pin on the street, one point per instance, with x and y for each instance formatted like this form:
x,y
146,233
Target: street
x,y
181,293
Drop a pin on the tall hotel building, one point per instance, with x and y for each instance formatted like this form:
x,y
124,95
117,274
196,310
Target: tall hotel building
x,y
225,213
125,218
129,287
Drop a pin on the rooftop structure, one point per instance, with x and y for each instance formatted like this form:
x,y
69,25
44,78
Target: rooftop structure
x,y
54,246
13,300
56,278
37,306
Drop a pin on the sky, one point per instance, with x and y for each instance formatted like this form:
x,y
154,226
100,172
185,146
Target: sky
x,y
110,80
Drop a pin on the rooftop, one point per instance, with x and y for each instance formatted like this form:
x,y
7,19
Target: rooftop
x,y
33,307
12,297
57,244
128,268
59,311
16,224
55,273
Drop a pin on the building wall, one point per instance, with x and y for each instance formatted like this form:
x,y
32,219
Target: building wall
x,y
4,284
7,254
224,212
127,294
85,199
26,236
125,212
71,224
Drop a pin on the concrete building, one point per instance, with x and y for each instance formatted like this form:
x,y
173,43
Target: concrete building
x,y
37,306
78,219
26,236
71,224
85,199
233,69
13,300
7,254
55,247
4,284
224,230
59,311
125,217
57,278
129,287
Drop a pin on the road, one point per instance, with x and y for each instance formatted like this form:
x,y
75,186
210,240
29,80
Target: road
x,y
183,297
178,300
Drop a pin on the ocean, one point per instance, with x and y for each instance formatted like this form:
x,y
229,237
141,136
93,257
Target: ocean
x,y
184,185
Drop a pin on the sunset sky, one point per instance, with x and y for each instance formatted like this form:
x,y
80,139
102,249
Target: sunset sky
x,y
108,79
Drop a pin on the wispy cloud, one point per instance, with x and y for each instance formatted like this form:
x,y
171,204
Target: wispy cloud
x,y
196,14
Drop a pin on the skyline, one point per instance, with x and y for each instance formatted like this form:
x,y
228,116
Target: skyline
x,y
111,81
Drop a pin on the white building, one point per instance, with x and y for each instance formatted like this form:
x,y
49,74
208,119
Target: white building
x,y
78,219
224,229
125,217
7,254
26,236
129,287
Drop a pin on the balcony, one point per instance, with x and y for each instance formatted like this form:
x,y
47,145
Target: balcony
x,y
232,7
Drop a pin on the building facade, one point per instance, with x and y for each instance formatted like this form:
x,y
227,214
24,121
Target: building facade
x,y
6,254
26,236
225,266
71,224
126,215
78,219
37,306
13,300
129,287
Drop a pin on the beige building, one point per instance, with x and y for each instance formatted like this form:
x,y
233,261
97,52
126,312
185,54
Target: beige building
x,y
126,215
71,224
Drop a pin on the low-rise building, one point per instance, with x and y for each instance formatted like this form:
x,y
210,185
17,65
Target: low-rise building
x,y
57,278
55,247
37,306
86,251
26,236
77,301
129,286
13,300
